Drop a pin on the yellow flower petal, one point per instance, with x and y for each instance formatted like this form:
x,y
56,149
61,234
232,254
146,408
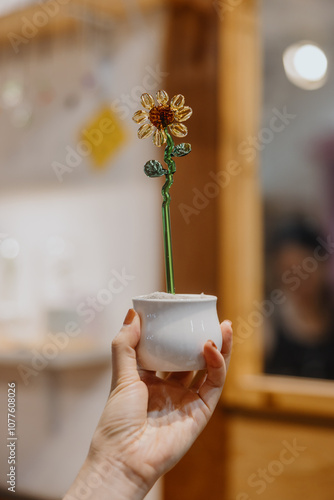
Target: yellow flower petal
x,y
140,116
183,114
147,101
178,129
177,102
159,137
145,130
162,97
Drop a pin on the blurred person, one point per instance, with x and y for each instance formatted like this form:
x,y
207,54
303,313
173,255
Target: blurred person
x,y
300,337
148,423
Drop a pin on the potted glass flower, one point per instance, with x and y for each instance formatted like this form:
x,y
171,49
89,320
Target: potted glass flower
x,y
175,327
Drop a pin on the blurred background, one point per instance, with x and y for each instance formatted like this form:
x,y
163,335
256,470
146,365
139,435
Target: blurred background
x,y
80,228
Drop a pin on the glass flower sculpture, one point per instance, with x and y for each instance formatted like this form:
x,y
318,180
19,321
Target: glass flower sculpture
x,y
160,121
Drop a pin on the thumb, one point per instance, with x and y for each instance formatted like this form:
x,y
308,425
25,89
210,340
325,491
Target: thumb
x,y
123,354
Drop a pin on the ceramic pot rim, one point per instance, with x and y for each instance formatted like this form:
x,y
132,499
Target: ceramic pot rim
x,y
181,298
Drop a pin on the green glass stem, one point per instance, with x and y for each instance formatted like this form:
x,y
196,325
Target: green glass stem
x,y
166,213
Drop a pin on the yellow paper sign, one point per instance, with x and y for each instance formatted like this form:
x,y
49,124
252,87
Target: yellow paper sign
x,y
103,136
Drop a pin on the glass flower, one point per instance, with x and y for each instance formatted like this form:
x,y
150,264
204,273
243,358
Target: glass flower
x,y
154,119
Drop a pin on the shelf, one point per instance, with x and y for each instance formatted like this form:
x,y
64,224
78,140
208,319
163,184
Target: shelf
x,y
82,355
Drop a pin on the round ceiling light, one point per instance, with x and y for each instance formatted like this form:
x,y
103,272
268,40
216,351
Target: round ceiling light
x,y
306,65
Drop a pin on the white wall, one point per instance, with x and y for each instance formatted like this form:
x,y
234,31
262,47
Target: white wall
x,y
111,220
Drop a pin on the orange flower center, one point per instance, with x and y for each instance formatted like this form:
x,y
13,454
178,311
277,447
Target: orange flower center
x,y
161,116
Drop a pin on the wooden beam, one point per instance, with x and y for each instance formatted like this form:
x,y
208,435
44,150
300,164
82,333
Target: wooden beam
x,y
240,219
36,21
119,8
17,29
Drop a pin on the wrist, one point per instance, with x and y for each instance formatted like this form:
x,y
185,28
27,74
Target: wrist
x,y
102,479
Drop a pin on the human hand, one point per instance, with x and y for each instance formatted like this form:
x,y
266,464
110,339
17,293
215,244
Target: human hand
x,y
149,423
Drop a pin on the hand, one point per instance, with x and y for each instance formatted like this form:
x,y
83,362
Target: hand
x,y
149,423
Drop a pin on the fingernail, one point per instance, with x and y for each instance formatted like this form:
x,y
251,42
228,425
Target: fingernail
x,y
129,317
228,321
213,344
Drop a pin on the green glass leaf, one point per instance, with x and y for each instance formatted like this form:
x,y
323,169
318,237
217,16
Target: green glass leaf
x,y
153,168
181,149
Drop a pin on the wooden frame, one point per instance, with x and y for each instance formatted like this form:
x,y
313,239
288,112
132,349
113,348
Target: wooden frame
x,y
240,229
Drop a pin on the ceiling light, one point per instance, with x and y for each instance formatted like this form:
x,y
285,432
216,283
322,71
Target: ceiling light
x,y
306,65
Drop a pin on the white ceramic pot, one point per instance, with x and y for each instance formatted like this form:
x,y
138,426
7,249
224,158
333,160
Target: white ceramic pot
x,y
174,329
